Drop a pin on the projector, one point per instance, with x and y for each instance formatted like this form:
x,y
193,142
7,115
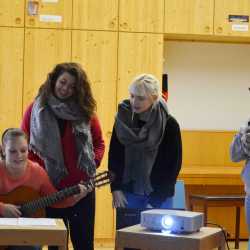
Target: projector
x,y
174,221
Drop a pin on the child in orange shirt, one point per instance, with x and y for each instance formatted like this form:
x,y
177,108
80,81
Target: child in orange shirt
x,y
16,171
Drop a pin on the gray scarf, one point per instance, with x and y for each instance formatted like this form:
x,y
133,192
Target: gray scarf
x,y
141,144
45,138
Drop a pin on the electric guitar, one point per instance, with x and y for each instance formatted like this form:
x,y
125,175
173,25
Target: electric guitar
x,y
30,205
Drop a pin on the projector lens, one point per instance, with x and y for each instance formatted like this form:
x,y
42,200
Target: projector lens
x,y
167,222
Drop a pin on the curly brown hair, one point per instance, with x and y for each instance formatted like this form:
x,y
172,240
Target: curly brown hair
x,y
82,94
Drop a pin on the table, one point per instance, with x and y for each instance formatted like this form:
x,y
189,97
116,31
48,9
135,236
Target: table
x,y
211,175
55,235
138,237
206,201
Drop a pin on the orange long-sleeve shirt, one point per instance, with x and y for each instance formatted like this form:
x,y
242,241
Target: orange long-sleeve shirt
x,y
34,177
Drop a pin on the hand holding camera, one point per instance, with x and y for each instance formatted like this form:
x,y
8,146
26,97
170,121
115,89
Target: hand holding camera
x,y
245,138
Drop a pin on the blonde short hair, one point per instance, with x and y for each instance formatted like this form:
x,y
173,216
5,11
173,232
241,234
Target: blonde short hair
x,y
10,134
145,84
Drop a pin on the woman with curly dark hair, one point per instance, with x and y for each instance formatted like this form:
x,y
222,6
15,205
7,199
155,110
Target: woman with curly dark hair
x,y
65,137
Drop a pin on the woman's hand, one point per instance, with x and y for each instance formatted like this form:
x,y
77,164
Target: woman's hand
x,y
149,206
119,199
11,211
83,192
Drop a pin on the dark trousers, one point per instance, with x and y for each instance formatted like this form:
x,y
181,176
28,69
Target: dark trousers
x,y
79,220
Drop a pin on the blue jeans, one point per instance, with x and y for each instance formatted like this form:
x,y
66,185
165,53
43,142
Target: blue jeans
x,y
141,201
136,201
247,210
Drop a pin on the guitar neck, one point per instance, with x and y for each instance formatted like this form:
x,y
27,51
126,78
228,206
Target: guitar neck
x,y
98,180
31,207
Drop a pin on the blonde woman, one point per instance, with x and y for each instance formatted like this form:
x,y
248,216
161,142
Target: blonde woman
x,y
145,150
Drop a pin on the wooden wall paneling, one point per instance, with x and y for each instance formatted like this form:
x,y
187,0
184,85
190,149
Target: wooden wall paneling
x,y
141,15
11,77
207,169
50,14
12,13
97,52
207,148
189,16
138,53
222,25
44,48
95,14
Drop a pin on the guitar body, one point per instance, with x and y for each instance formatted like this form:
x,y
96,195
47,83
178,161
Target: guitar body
x,y
20,196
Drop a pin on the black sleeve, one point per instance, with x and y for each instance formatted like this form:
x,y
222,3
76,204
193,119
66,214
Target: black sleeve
x,y
116,161
167,165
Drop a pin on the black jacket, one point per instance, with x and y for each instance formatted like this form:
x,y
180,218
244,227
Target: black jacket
x,y
165,169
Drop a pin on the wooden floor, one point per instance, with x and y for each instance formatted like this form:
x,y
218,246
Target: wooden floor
x,y
243,246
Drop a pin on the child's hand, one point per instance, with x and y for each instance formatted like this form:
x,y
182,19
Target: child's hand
x,y
11,211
